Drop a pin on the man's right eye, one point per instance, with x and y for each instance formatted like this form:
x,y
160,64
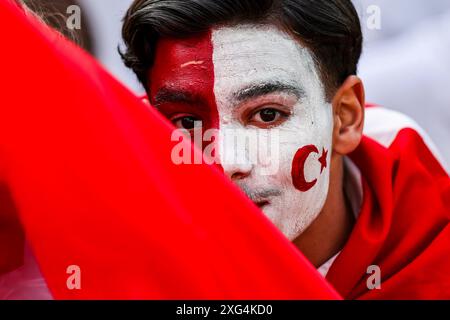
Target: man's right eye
x,y
187,122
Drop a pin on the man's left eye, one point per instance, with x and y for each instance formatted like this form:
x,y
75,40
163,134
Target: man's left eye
x,y
268,115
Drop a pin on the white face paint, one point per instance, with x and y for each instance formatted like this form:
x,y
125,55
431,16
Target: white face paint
x,y
247,57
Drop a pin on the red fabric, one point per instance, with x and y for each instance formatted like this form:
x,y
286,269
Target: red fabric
x,y
87,168
11,234
403,226
89,171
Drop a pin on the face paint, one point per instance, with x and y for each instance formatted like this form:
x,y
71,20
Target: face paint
x,y
246,75
182,79
247,56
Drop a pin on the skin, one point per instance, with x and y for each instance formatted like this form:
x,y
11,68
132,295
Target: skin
x,y
258,78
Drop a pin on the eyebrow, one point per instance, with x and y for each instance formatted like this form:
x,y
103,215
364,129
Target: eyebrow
x,y
261,89
165,95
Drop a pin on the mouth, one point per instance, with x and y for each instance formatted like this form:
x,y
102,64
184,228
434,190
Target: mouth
x,y
261,197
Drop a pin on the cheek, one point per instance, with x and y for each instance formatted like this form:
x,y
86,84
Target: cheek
x,y
298,170
305,152
290,143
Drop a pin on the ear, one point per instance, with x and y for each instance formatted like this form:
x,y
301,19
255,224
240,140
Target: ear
x,y
348,107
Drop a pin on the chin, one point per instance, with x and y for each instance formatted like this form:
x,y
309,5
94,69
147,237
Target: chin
x,y
282,221
288,221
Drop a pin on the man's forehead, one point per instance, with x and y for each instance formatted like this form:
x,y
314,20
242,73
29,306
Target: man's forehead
x,y
183,63
194,48
231,58
249,54
248,42
262,40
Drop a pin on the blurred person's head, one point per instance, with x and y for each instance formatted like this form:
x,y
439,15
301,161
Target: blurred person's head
x,y
54,13
392,18
265,67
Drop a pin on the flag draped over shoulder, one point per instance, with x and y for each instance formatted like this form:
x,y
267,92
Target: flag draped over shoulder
x,y
87,178
403,228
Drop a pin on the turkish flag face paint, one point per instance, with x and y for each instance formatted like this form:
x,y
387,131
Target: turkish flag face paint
x,y
182,80
258,81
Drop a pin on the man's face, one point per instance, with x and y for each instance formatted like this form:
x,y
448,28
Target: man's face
x,y
257,79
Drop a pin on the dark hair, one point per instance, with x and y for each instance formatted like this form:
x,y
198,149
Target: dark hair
x,y
329,28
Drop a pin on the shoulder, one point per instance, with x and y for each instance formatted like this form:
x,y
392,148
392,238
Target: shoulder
x,y
384,126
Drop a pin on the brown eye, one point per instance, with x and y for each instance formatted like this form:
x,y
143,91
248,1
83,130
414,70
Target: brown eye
x,y
268,115
187,122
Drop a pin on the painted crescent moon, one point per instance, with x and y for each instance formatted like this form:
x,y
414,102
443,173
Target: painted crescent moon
x,y
298,168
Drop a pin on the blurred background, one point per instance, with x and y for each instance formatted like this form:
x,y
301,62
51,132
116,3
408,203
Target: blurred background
x,y
405,65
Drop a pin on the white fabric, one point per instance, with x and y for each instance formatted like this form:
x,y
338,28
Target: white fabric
x,y
383,125
25,283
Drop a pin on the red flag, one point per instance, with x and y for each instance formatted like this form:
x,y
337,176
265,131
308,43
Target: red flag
x,y
403,227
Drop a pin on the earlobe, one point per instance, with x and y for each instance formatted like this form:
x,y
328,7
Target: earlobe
x,y
348,107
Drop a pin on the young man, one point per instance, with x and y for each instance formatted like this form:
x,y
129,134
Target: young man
x,y
361,206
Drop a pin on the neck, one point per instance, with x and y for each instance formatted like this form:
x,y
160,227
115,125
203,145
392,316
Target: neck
x,y
328,234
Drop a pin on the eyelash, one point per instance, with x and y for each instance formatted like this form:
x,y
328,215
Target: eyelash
x,y
248,120
283,115
174,120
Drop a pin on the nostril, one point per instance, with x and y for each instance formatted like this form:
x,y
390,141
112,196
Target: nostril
x,y
239,175
237,171
262,204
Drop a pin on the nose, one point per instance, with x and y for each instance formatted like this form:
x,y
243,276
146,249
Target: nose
x,y
234,157
237,171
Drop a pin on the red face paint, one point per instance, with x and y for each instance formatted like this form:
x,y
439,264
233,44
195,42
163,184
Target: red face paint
x,y
298,168
186,66
323,160
184,69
